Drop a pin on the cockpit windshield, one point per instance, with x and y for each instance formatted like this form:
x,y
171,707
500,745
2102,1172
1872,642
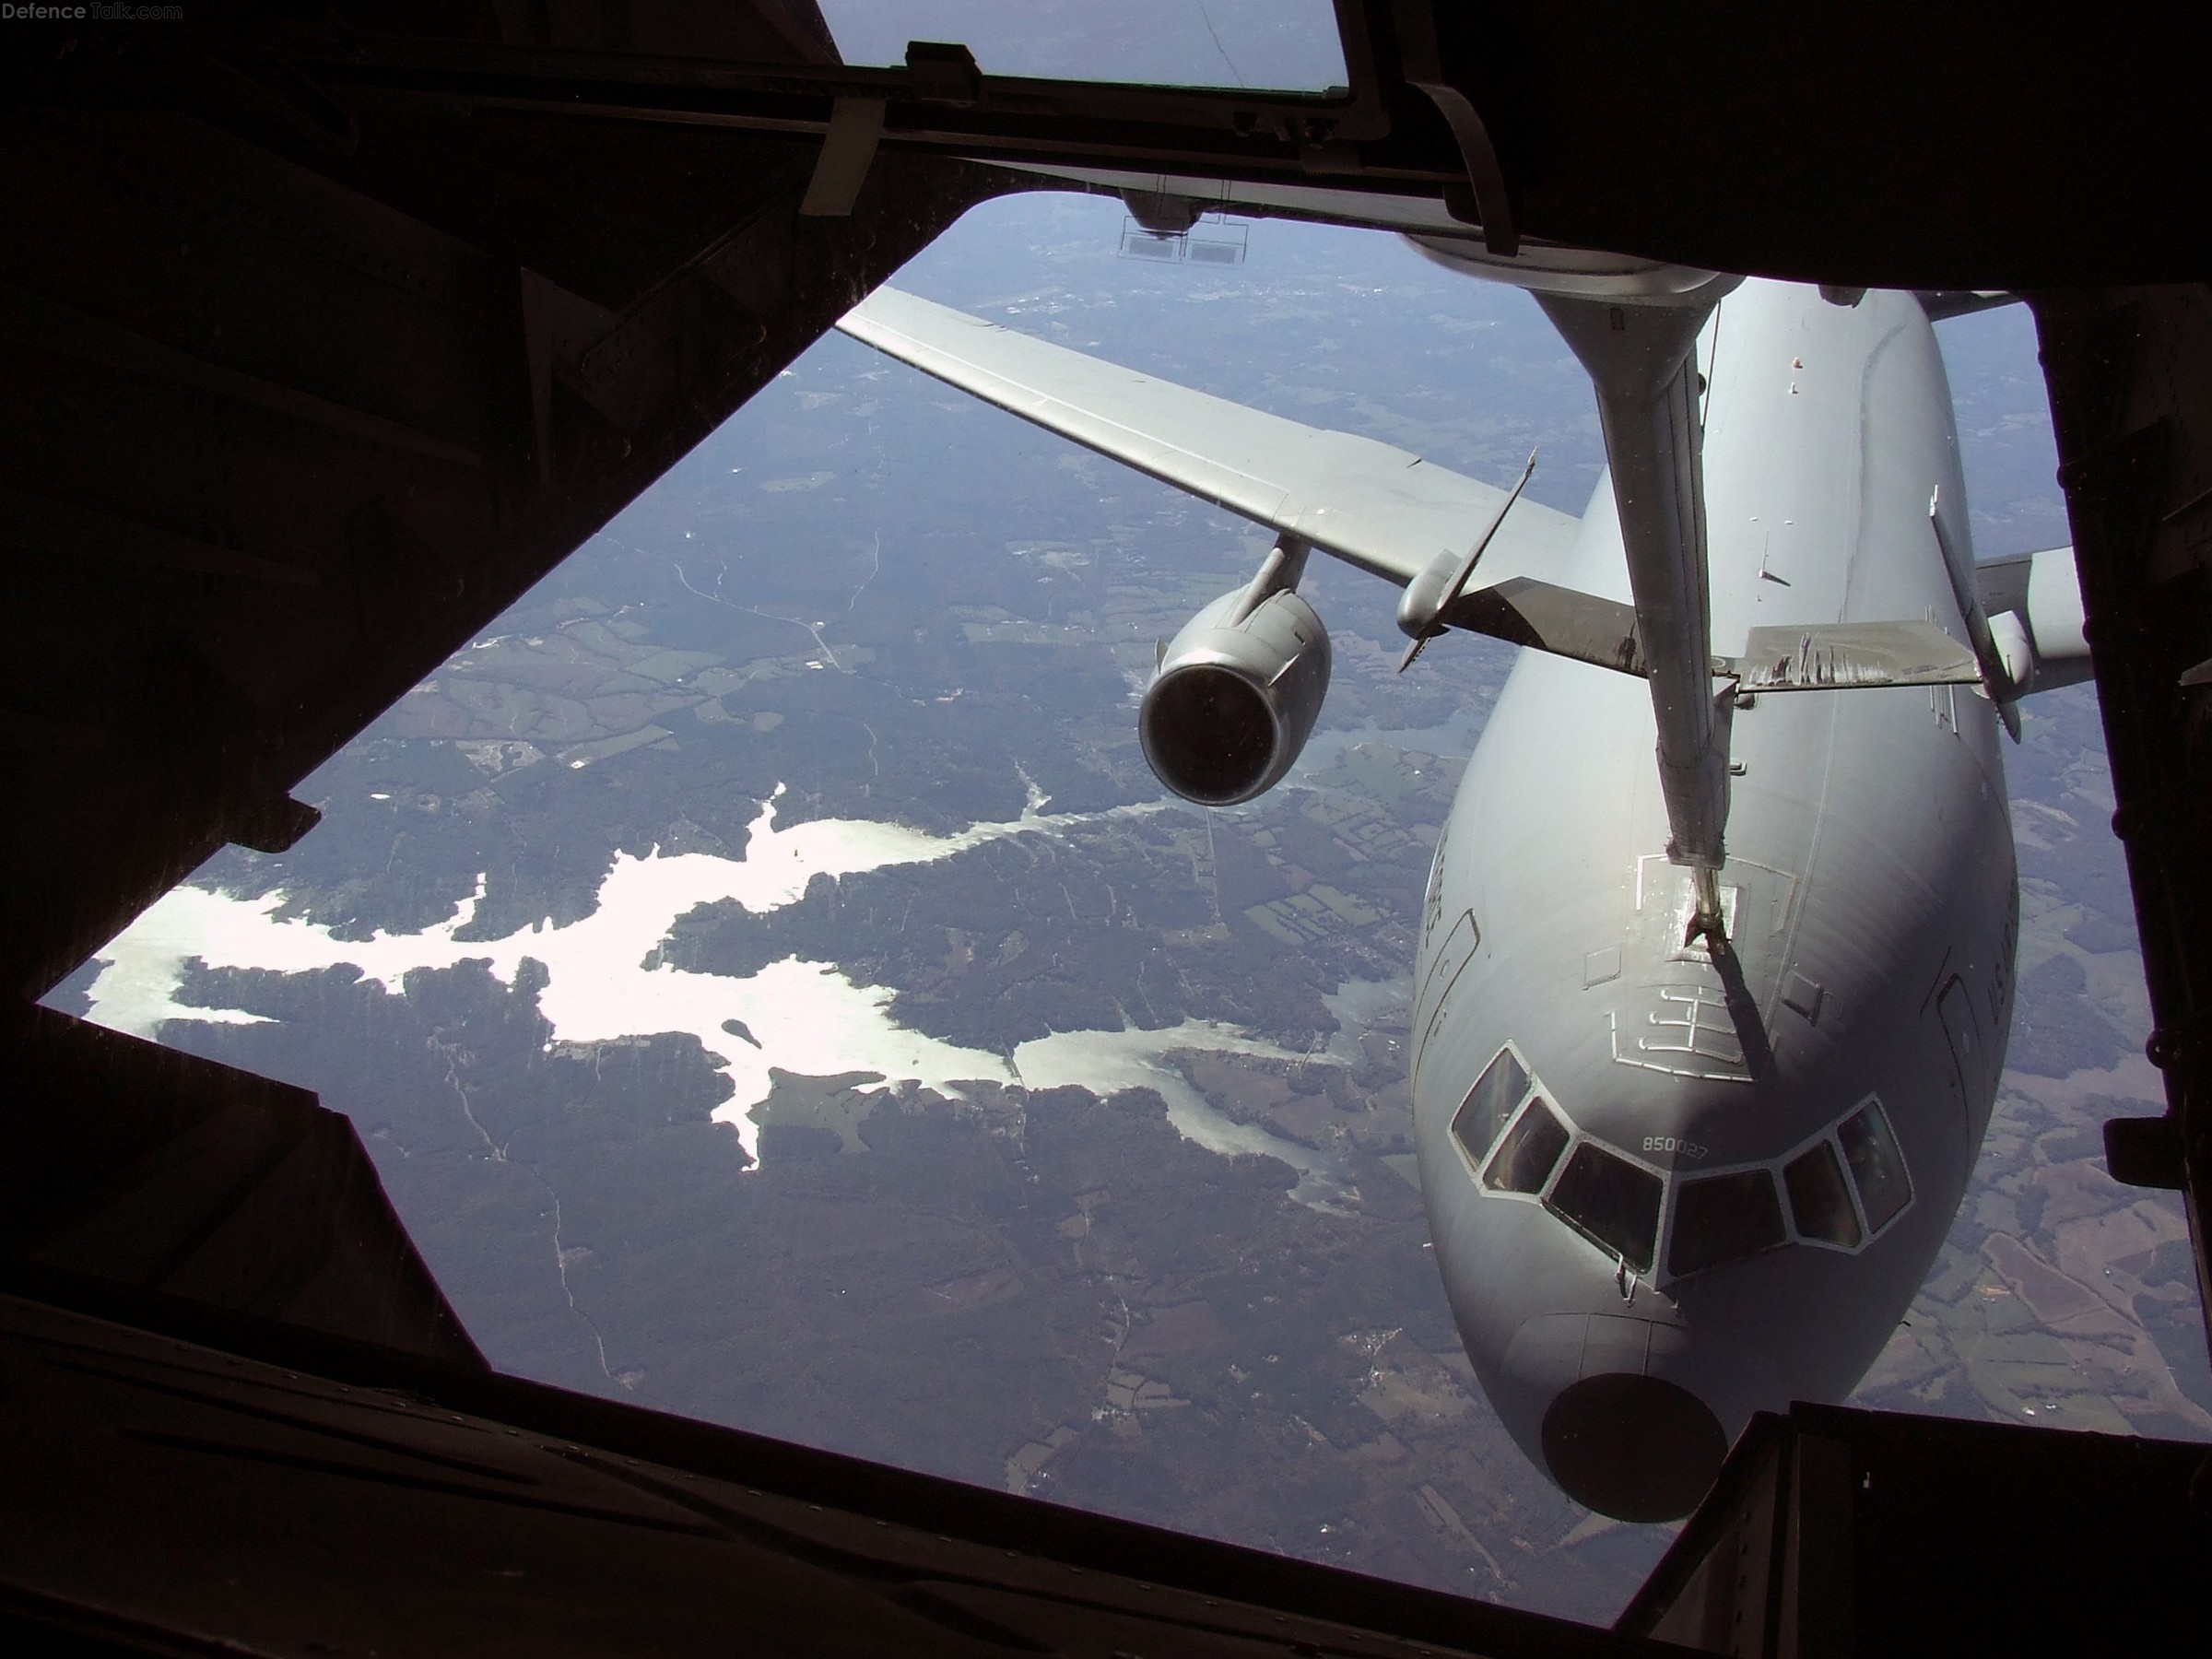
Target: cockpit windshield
x,y
1817,1198
1613,1201
1875,1164
1489,1103
1841,1190
1723,1218
1530,1148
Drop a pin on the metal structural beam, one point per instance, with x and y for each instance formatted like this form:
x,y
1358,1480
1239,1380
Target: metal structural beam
x,y
2130,371
1880,146
1834,1533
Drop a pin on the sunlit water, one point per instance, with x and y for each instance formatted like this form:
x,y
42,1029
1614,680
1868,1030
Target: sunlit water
x,y
806,1018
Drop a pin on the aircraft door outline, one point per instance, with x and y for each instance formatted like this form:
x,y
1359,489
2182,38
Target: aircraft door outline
x,y
1444,970
1968,1046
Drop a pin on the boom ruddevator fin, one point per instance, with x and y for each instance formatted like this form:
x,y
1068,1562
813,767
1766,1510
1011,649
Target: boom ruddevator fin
x,y
1820,656
1835,656
1545,616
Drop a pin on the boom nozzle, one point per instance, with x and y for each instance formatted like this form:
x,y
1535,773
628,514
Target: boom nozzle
x,y
1706,921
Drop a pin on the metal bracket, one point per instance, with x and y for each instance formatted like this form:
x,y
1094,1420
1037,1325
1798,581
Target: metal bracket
x,y
2144,1152
848,151
1280,572
1423,66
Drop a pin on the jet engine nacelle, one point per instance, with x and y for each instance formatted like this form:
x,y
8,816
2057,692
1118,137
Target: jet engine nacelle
x,y
1236,697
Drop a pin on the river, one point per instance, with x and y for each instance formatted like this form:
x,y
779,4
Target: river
x,y
806,1017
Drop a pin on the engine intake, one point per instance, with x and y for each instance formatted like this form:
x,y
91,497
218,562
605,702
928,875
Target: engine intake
x,y
1236,697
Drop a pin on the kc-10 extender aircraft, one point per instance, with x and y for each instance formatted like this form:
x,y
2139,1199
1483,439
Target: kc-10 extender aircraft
x,y
1702,1054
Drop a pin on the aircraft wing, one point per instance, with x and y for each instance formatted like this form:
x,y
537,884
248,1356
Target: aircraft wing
x,y
2033,600
1387,511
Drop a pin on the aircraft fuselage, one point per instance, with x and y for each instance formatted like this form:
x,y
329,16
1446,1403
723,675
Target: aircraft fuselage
x,y
1626,1310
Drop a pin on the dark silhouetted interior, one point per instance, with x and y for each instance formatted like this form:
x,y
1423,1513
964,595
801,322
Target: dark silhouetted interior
x,y
1834,1531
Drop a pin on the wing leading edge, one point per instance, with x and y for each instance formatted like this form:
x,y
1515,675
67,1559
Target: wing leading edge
x,y
1388,513
1380,509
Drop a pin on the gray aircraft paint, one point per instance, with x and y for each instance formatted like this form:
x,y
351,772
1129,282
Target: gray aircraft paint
x,y
1869,889
1870,864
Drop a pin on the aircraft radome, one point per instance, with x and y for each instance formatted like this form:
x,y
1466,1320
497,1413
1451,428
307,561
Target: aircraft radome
x,y
1715,966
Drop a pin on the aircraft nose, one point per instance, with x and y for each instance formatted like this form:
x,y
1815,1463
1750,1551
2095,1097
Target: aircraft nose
x,y
1636,1448
1628,1415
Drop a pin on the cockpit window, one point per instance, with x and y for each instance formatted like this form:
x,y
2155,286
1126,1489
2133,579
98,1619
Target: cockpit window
x,y
1817,1198
1875,1164
1489,1103
1723,1218
1612,1200
1531,1147
1522,1144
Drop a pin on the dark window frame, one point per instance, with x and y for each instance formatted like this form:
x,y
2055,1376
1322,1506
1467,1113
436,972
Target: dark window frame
x,y
1778,1169
1660,1271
